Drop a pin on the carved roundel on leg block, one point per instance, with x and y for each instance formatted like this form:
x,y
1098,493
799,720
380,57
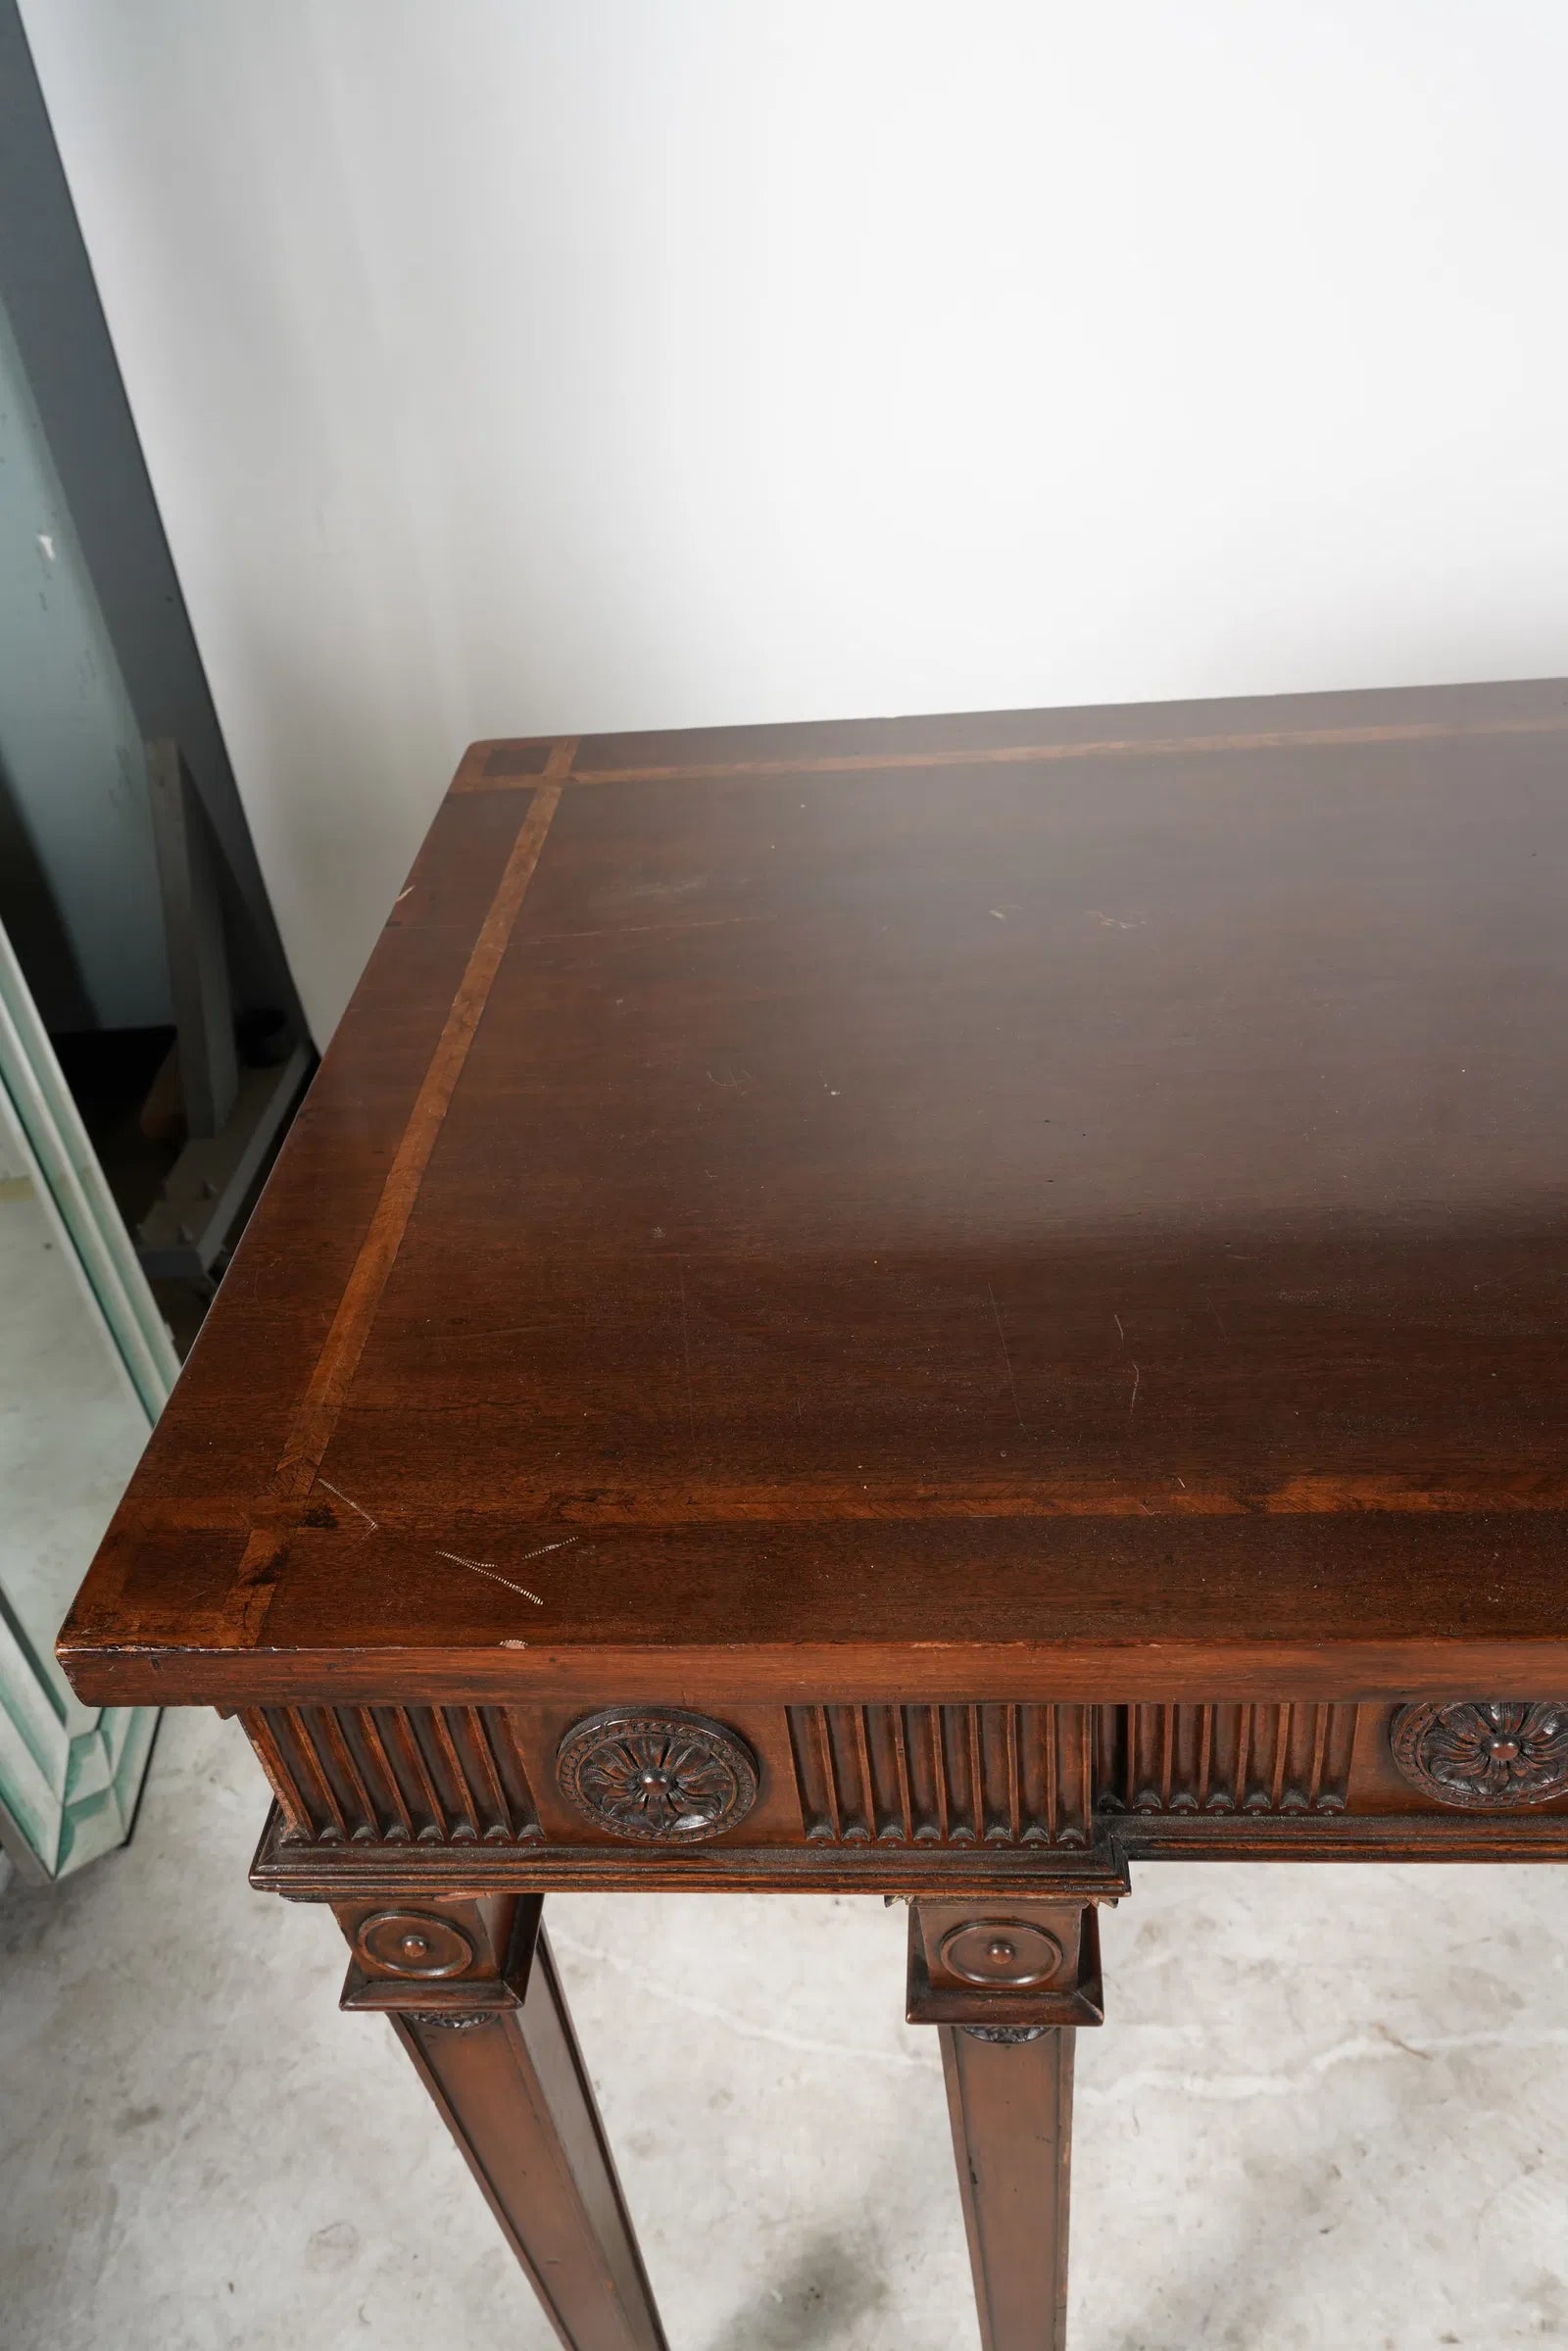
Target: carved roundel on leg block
x,y
1002,1953
1486,1754
662,1777
412,1942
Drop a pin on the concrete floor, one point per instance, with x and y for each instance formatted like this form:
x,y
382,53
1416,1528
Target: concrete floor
x,y
1326,2111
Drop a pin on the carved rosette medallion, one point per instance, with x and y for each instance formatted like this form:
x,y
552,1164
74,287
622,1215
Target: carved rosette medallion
x,y
1487,1754
412,1942
667,1777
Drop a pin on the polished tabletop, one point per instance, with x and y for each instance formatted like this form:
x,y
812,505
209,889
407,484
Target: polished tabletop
x,y
1070,1194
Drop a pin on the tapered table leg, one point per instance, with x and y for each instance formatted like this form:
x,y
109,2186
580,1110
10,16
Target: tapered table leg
x,y
1007,1984
499,2057
1011,2104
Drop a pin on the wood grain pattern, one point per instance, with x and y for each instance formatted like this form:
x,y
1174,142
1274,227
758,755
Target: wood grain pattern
x,y
916,1221
1009,2106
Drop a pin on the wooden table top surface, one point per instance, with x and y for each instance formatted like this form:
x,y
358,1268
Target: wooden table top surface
x,y
1065,1201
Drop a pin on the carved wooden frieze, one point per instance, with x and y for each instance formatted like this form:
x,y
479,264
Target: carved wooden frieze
x,y
944,1775
659,1775
934,1781
1274,1759
395,1775
1487,1754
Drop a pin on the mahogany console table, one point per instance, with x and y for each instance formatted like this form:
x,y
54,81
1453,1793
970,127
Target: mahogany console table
x,y
930,1306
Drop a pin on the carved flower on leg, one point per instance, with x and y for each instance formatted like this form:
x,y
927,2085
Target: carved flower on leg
x,y
669,1777
1486,1754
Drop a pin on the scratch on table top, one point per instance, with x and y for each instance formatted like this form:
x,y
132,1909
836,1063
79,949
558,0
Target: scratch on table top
x,y
564,1544
1007,1358
1132,1401
686,1348
507,1330
349,1498
482,1567
631,930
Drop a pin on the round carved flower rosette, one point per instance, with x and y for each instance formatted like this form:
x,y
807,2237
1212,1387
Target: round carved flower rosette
x,y
667,1778
1487,1754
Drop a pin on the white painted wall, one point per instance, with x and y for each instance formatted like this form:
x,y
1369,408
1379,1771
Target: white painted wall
x,y
507,365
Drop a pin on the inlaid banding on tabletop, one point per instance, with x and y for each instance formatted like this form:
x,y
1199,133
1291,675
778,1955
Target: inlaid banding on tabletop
x,y
316,1417
593,769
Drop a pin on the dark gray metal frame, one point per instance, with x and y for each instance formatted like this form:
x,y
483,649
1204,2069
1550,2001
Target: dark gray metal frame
x,y
48,291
